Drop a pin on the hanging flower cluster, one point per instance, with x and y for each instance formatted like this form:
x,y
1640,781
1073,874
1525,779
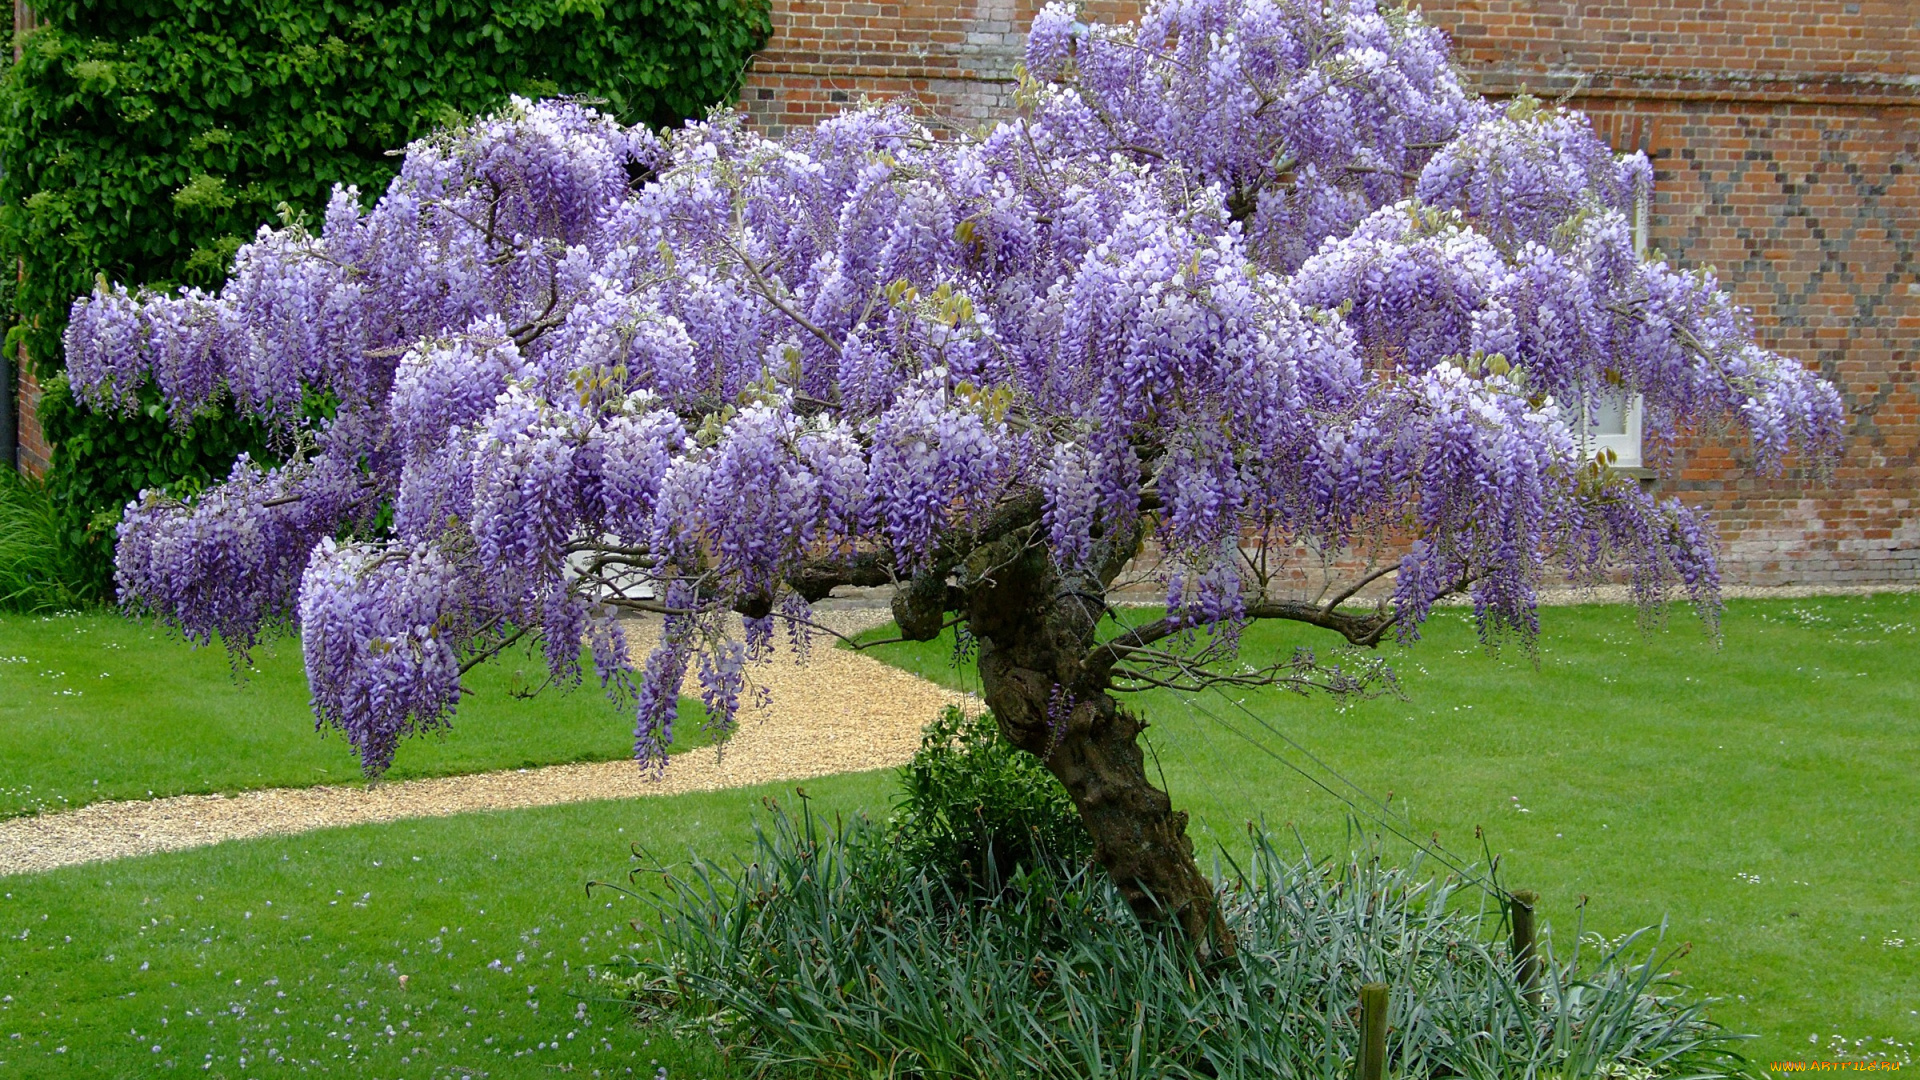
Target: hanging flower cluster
x,y
1250,267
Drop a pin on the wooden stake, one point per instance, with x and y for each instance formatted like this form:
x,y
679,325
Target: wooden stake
x,y
1373,1031
1526,961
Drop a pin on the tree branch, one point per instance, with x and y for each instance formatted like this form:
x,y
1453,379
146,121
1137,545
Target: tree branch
x,y
1351,590
766,291
493,650
1366,630
650,607
818,578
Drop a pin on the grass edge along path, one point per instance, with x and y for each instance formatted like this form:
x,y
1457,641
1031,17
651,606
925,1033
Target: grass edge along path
x,y
98,707
829,712
438,947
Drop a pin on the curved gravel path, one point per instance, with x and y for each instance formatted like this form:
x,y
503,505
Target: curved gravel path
x,y
840,712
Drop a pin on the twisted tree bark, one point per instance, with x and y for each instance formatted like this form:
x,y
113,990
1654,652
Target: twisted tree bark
x,y
1035,629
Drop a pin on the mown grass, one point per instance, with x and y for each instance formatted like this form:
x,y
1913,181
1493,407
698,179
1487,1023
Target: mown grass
x,y
285,956
1761,795
96,706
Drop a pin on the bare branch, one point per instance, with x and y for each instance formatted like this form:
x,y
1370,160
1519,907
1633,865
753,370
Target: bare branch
x,y
526,333
816,579
1300,673
766,291
1365,630
493,650
294,496
650,607
1352,590
598,548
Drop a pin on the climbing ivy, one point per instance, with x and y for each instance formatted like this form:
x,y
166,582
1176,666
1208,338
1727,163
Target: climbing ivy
x,y
145,140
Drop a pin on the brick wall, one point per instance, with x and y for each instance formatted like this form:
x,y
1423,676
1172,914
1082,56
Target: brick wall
x,y
955,57
1786,143
1810,213
1785,136
826,53
33,453
1664,50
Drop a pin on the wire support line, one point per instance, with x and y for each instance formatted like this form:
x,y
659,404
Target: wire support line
x,y
1493,869
1433,848
1311,756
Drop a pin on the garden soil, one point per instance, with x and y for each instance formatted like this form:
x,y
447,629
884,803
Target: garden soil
x,y
838,712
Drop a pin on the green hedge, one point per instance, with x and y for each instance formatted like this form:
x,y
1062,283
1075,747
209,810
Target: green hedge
x,y
145,140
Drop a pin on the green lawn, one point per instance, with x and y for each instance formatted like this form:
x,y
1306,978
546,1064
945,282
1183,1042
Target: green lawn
x,y
95,706
283,956
1762,796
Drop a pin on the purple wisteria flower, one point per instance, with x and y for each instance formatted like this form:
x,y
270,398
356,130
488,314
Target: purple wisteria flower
x,y
1254,277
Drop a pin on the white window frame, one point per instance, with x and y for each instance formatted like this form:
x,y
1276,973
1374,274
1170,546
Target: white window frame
x,y
1625,446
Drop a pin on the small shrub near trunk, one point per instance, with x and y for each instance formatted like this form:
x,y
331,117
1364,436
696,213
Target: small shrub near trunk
x,y
973,807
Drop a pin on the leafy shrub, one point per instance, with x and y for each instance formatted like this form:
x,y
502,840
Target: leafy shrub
x,y
33,573
827,954
147,139
973,807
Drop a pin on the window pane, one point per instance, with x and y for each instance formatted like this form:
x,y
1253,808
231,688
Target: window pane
x,y
1609,415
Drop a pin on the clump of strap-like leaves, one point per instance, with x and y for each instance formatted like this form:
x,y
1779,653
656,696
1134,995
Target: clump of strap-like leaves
x,y
1256,275
826,952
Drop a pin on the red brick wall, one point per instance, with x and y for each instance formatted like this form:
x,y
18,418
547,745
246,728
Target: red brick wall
x,y
1786,144
826,53
1809,213
1655,49
34,453
954,56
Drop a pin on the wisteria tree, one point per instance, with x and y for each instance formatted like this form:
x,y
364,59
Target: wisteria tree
x,y
1254,282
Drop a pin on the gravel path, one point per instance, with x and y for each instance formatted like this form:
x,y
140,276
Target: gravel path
x,y
840,712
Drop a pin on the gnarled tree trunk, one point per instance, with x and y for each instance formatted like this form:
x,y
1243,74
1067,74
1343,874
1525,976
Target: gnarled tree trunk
x,y
1035,629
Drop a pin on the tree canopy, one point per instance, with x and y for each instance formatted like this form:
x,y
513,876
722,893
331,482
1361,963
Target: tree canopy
x,y
1257,279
